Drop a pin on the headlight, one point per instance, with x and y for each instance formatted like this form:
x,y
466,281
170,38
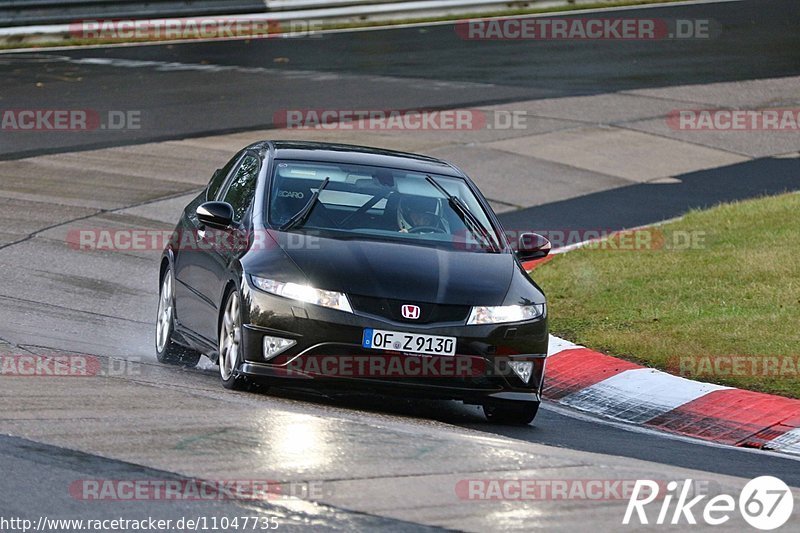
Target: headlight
x,y
304,293
505,313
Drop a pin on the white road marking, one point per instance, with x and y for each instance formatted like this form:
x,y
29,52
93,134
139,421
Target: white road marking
x,y
314,75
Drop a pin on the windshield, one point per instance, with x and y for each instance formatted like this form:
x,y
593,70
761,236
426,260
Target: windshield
x,y
375,202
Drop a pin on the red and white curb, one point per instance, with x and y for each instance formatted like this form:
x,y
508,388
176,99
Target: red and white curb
x,y
605,386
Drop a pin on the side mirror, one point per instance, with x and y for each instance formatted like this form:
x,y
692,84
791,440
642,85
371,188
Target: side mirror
x,y
215,214
532,246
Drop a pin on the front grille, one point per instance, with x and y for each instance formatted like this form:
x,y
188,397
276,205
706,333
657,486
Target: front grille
x,y
392,309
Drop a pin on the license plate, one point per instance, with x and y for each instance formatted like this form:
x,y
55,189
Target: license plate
x,y
378,339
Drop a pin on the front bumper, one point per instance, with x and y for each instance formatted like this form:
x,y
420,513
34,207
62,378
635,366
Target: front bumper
x,y
329,352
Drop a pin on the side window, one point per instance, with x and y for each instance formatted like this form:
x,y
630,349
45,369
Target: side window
x,y
242,186
219,177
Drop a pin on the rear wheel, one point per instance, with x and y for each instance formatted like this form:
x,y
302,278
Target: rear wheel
x,y
230,344
511,413
167,351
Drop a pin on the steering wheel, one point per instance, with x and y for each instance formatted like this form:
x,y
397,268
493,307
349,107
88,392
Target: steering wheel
x,y
427,229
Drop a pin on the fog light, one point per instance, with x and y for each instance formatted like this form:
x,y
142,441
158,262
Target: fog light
x,y
523,369
274,346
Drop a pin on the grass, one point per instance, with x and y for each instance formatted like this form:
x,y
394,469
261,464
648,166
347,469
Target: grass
x,y
732,298
21,42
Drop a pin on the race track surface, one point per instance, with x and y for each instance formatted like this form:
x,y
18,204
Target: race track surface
x,y
215,87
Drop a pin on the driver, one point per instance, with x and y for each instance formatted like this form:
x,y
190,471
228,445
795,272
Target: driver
x,y
419,212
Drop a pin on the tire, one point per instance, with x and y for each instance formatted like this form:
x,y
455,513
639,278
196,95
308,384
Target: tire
x,y
167,350
511,413
230,344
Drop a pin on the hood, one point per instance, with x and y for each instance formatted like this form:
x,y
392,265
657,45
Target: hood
x,y
395,270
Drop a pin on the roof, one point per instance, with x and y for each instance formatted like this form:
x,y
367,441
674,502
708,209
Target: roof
x,y
360,155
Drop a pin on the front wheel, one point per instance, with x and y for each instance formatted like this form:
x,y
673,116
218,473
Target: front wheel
x,y
230,344
167,350
511,413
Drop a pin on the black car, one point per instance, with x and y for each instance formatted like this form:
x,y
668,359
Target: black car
x,y
346,266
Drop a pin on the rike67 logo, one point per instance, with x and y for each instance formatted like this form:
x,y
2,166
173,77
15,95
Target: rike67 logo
x,y
766,503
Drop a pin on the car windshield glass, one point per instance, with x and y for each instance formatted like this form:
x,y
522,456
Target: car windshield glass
x,y
362,201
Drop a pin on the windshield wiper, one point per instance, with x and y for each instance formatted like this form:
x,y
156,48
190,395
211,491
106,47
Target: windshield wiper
x,y
466,216
301,216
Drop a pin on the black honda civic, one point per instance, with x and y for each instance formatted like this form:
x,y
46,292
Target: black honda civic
x,y
349,267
